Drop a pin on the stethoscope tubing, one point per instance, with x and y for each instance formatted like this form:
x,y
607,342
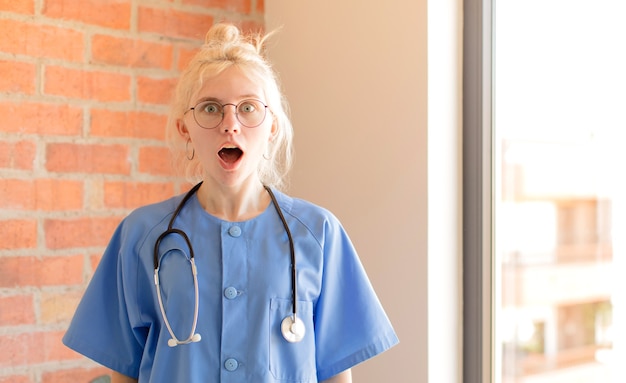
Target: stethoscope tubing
x,y
171,230
292,253
193,337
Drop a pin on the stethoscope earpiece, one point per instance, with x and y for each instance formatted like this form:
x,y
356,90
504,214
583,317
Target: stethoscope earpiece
x,y
173,342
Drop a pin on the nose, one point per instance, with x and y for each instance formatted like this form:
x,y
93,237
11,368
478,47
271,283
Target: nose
x,y
230,122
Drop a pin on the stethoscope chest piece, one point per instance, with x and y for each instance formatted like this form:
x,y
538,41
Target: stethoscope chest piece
x,y
293,329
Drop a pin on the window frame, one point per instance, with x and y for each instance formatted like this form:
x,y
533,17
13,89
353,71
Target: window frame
x,y
478,191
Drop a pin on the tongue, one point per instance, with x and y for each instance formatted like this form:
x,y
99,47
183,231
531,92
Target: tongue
x,y
230,155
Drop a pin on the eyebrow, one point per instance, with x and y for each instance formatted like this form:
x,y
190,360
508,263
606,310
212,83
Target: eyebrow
x,y
221,101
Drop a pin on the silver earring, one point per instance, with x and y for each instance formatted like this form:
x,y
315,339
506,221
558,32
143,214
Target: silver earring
x,y
193,150
267,156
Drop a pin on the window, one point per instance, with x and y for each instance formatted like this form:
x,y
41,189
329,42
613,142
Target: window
x,y
544,206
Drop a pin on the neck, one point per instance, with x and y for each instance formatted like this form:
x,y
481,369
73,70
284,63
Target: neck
x,y
233,204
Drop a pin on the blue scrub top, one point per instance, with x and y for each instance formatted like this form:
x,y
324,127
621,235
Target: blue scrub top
x,y
244,277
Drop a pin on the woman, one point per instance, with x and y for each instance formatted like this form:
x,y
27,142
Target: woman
x,y
250,314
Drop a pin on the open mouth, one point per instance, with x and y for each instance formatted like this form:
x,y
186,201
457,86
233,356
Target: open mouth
x,y
230,155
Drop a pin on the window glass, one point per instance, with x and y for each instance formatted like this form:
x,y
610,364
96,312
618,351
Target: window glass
x,y
560,199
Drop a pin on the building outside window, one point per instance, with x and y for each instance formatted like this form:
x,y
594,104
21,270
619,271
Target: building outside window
x,y
559,229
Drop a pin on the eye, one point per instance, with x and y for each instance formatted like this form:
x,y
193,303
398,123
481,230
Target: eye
x,y
210,108
248,106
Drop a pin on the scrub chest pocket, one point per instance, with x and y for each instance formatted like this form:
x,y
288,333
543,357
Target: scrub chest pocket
x,y
291,362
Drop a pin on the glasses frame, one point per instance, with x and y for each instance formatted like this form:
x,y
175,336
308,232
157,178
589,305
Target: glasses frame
x,y
222,106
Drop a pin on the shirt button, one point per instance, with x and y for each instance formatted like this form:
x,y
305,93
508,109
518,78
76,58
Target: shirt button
x,y
231,364
230,292
234,231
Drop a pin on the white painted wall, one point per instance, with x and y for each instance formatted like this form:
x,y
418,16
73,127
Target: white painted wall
x,y
356,75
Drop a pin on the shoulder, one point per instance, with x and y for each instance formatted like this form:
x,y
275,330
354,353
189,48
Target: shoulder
x,y
303,209
148,218
154,212
318,220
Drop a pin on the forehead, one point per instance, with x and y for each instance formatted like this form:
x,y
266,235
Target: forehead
x,y
231,84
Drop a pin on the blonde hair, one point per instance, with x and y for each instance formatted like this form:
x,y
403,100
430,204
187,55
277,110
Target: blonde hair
x,y
226,46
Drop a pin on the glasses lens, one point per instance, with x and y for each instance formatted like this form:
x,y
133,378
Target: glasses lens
x,y
208,114
251,113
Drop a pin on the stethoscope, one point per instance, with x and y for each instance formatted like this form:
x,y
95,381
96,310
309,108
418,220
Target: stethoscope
x,y
291,327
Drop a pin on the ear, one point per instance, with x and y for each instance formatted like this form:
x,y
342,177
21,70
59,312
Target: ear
x,y
182,129
273,130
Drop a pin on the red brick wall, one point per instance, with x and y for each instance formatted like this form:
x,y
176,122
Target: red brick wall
x,y
84,88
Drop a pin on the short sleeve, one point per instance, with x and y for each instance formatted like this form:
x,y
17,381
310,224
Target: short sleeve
x,y
101,327
350,323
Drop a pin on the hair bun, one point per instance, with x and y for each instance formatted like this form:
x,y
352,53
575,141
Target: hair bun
x,y
222,33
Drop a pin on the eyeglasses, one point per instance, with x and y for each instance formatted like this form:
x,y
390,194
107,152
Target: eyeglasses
x,y
209,114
